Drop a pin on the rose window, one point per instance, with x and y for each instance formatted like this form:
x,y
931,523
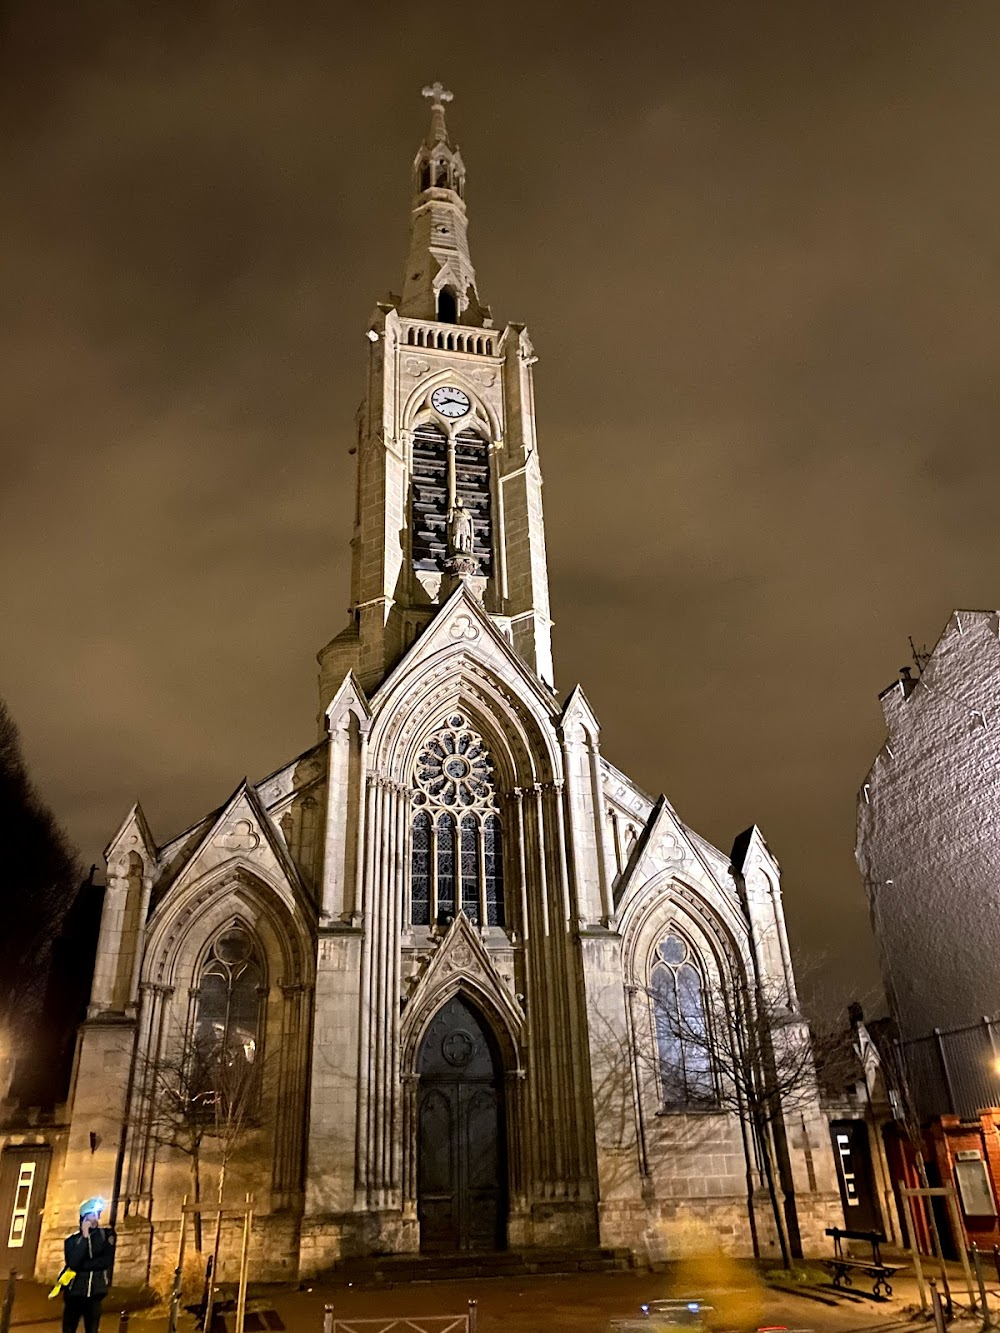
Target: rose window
x,y
453,768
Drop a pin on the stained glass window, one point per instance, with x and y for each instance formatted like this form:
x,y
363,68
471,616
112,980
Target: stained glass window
x,y
682,1029
470,868
227,1023
493,858
446,866
456,857
420,883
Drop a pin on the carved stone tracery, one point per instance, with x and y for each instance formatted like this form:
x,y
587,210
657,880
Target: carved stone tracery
x,y
453,769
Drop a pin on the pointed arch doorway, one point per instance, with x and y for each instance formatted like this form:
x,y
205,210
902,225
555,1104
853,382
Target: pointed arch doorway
x,y
461,1144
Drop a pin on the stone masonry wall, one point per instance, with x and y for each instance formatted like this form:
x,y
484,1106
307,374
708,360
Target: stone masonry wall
x,y
928,825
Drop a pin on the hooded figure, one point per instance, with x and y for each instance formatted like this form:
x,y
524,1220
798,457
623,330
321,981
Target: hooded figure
x,y
89,1254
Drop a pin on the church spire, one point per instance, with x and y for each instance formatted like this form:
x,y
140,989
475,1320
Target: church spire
x,y
438,95
440,282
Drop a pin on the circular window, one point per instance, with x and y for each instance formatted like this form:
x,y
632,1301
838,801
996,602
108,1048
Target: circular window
x,y
453,768
234,946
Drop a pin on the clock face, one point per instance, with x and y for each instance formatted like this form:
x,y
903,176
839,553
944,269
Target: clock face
x,y
450,402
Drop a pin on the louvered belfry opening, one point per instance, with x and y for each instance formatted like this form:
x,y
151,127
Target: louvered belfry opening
x,y
472,483
431,498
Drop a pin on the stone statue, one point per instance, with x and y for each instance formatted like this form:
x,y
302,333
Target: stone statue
x,y
460,530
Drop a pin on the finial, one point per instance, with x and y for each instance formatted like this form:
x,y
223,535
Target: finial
x,y
437,93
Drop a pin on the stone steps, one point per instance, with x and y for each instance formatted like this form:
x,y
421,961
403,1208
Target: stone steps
x,y
387,1269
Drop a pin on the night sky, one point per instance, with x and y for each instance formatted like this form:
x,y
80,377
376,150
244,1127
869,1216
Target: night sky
x,y
755,245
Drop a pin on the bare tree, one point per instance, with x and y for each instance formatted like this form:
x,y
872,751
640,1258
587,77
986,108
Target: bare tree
x,y
744,1051
200,1098
711,1044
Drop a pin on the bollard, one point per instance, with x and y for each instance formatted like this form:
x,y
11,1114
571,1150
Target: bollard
x,y
977,1265
949,1304
327,1319
175,1302
473,1316
123,1322
8,1302
936,1307
206,1291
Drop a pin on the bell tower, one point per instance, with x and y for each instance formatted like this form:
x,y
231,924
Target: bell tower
x,y
449,488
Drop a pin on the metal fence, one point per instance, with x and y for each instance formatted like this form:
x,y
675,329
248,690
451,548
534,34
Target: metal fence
x,y
954,1071
427,1323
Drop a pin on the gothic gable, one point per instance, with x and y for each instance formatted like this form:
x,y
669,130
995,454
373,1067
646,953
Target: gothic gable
x,y
463,626
133,836
463,660
462,963
663,851
349,701
240,835
578,714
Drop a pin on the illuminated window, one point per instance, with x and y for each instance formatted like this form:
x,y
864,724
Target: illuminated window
x,y
226,1043
22,1204
456,859
682,1030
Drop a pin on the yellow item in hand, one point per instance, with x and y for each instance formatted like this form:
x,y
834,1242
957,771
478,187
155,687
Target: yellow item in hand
x,y
63,1280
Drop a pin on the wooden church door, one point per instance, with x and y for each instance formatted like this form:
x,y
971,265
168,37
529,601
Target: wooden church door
x,y
461,1161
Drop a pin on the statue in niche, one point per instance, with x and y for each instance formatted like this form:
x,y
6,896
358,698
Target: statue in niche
x,y
460,530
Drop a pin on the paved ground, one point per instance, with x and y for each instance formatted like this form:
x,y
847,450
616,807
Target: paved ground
x,y
515,1305
583,1301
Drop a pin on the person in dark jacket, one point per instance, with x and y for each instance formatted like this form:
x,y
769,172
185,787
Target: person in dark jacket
x,y
89,1254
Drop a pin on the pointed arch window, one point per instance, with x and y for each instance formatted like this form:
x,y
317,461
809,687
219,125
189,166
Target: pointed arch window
x,y
447,305
225,1046
683,1031
456,858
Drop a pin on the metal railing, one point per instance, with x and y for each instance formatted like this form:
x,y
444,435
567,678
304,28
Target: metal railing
x,y
426,1323
955,1071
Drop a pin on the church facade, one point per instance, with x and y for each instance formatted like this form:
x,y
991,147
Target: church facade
x,y
439,982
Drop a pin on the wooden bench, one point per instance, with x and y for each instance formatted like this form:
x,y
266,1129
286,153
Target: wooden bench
x,y
844,1265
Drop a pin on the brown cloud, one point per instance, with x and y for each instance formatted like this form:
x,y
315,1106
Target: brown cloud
x,y
755,245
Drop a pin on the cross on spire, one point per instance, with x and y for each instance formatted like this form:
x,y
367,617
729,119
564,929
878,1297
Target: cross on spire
x,y
437,93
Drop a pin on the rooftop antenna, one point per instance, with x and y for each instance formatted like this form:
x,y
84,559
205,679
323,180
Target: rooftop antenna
x,y
921,656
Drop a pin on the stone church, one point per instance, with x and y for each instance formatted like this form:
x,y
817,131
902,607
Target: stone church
x,y
443,946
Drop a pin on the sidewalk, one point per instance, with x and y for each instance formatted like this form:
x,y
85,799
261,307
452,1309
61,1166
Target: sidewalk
x,y
581,1302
